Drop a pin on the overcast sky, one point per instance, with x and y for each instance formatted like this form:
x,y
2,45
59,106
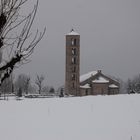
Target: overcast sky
x,y
110,38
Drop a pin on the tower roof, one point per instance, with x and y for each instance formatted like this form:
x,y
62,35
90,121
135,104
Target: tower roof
x,y
73,32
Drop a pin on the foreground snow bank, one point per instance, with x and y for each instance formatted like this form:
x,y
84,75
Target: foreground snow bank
x,y
78,118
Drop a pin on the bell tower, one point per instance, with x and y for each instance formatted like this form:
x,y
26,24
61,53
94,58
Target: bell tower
x,y
72,70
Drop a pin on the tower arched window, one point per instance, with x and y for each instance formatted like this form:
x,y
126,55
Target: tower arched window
x,y
73,60
73,77
73,41
74,51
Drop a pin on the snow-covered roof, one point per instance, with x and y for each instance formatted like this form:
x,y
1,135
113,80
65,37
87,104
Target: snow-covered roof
x,y
113,86
85,86
73,33
87,75
100,80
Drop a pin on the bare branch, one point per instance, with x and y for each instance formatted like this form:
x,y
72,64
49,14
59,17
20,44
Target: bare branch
x,y
39,80
20,45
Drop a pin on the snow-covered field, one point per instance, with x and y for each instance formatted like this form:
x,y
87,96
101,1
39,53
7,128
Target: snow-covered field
x,y
78,118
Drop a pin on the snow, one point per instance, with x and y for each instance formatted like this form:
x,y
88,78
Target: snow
x,y
3,63
25,52
78,118
85,86
100,80
87,75
73,33
113,86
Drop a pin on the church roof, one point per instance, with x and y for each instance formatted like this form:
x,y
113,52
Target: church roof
x,y
100,79
87,75
113,86
86,86
73,32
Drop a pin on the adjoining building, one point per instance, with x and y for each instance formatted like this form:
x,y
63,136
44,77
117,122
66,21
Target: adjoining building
x,y
96,83
92,83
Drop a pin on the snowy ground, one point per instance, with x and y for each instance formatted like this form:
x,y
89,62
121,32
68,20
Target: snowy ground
x,y
81,118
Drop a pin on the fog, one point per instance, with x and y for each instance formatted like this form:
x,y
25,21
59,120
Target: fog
x,y
109,31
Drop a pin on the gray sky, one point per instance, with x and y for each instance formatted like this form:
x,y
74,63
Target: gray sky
x,y
110,37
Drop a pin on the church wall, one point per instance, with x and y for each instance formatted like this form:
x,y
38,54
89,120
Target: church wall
x,y
113,91
99,88
85,91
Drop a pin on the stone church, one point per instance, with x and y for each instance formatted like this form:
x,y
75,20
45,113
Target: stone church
x,y
92,83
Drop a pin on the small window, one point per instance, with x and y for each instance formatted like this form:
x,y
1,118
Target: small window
x,y
86,91
73,42
73,51
73,60
73,77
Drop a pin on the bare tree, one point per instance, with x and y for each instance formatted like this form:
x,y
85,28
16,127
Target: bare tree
x,y
45,89
6,87
39,82
23,83
52,90
16,41
133,84
27,84
129,86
